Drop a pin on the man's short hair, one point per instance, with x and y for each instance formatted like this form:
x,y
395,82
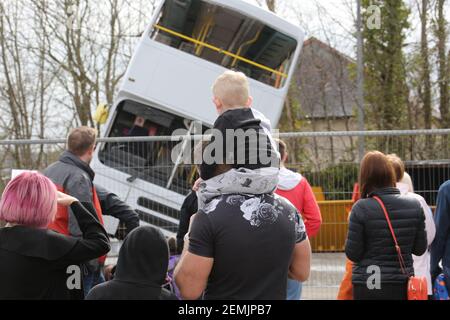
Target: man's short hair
x,y
232,89
80,140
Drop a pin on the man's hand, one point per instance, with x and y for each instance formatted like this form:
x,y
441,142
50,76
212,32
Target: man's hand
x,y
65,199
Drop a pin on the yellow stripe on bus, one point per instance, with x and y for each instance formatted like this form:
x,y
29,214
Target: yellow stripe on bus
x,y
225,52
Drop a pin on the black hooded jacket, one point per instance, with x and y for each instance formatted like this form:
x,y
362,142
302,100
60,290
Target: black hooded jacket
x,y
141,269
370,243
34,262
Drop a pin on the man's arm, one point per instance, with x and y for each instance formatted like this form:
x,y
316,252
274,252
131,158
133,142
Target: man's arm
x,y
94,242
191,275
193,270
301,256
113,206
301,261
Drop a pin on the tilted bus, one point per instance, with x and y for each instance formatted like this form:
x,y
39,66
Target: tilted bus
x,y
167,85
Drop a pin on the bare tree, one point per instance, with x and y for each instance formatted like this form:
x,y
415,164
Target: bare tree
x,y
58,59
425,90
23,90
441,33
88,41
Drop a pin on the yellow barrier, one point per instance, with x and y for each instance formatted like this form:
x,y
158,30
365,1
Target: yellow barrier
x,y
333,232
318,193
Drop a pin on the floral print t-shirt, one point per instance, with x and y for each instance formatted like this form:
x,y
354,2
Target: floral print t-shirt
x,y
251,239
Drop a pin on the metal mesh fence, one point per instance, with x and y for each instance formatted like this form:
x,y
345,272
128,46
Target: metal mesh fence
x,y
145,173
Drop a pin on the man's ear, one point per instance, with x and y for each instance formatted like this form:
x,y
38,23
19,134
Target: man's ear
x,y
285,158
219,105
92,150
249,102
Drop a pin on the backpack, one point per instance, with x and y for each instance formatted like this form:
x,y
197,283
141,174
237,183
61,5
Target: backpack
x,y
440,289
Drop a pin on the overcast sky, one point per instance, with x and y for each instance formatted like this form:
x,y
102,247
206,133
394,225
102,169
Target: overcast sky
x,y
328,20
333,20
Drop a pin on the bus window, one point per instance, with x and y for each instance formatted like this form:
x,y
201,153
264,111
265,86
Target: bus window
x,y
150,160
227,38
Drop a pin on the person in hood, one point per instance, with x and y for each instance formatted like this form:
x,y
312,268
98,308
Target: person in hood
x,y
141,269
73,175
38,263
294,187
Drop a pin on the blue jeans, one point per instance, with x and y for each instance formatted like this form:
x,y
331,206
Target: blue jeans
x,y
294,290
91,279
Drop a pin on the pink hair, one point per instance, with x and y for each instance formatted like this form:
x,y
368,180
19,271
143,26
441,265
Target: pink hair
x,y
30,200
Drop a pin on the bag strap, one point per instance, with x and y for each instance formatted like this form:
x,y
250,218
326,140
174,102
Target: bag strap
x,y
397,247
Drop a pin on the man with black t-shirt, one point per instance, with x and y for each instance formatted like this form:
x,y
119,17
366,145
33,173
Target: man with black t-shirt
x,y
244,241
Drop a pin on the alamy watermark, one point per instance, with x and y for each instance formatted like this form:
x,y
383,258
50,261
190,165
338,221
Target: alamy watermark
x,y
373,13
74,277
374,280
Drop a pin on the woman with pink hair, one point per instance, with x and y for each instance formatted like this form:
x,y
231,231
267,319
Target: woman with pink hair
x,y
37,263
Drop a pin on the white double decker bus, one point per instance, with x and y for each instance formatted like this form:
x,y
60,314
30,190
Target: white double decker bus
x,y
167,86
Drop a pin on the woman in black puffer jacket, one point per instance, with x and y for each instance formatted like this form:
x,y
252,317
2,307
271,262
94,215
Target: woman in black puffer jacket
x,y
369,242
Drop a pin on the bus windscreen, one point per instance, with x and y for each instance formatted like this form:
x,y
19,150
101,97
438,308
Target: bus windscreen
x,y
227,38
150,161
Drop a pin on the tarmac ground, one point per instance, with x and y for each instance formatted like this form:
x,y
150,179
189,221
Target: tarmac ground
x,y
327,271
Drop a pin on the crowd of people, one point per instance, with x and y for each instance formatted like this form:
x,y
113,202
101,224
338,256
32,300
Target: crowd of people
x,y
244,228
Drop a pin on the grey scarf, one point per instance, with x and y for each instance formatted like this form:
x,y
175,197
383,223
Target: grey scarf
x,y
238,181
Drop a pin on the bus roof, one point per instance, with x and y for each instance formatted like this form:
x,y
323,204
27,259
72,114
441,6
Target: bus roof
x,y
156,69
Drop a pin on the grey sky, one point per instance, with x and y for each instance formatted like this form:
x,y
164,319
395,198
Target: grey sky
x,y
333,20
